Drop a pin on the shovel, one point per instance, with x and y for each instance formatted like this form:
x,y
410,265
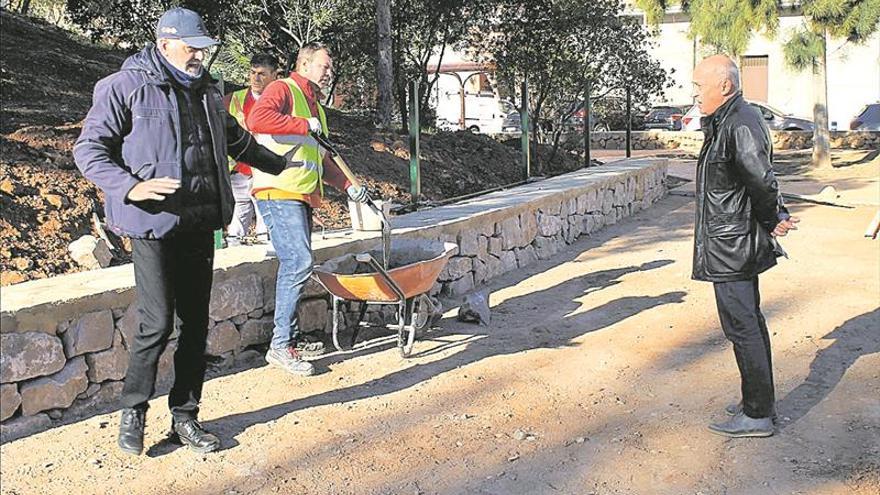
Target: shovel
x,y
386,226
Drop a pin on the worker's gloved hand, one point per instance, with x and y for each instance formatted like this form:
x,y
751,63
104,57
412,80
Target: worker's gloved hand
x,y
314,124
358,194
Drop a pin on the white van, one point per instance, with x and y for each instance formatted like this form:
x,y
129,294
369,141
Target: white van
x,y
484,113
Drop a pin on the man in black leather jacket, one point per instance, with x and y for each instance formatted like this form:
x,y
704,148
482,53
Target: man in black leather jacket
x,y
739,212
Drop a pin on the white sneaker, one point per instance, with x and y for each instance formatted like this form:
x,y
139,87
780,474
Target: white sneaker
x,y
290,361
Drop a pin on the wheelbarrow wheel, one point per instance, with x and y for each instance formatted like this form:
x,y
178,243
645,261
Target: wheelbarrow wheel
x,y
406,336
421,311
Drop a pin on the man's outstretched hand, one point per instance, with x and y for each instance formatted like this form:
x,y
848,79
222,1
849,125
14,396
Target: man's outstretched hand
x,y
784,226
155,189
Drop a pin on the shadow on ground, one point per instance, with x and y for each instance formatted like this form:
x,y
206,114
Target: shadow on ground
x,y
486,342
853,339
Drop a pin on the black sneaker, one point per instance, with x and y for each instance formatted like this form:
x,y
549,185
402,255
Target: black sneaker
x,y
131,430
190,433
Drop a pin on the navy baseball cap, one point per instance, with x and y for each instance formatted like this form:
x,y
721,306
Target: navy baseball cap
x,y
184,24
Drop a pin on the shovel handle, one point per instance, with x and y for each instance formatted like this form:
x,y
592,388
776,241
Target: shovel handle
x,y
346,171
337,158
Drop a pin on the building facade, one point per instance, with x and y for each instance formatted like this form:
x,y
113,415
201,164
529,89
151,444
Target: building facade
x,y
853,70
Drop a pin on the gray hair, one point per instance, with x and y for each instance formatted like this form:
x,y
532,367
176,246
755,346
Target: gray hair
x,y
730,72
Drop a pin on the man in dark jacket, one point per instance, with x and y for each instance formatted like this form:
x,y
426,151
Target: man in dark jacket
x,y
739,212
155,141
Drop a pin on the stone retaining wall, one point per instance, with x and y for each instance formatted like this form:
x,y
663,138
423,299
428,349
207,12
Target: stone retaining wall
x,y
65,340
692,140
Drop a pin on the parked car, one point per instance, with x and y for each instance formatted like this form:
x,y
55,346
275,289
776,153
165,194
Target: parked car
x,y
512,123
868,119
609,114
575,123
780,121
666,117
775,119
485,113
690,121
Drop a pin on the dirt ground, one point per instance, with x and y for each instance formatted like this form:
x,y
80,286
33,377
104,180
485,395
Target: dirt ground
x,y
597,375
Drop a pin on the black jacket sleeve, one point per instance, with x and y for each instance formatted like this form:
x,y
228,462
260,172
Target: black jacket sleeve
x,y
752,164
242,147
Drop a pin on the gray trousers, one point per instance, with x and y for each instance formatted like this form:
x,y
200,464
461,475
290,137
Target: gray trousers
x,y
245,213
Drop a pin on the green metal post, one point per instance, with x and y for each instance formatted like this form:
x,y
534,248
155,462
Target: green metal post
x,y
588,116
218,234
524,121
415,173
628,121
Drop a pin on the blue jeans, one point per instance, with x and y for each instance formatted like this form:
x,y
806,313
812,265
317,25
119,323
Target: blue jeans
x,y
289,224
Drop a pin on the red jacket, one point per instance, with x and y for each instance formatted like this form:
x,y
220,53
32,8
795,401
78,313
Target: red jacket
x,y
271,115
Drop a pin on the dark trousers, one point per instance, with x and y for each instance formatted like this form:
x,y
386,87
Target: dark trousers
x,y
172,275
739,308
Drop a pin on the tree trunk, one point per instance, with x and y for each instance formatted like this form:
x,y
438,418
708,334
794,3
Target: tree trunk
x,y
537,137
25,6
402,105
821,136
556,135
384,74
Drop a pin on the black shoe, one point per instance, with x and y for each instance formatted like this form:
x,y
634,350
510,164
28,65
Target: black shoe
x,y
131,430
736,408
741,426
190,433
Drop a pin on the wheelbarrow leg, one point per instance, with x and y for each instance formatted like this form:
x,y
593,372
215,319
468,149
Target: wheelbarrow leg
x,y
357,325
336,324
402,336
404,342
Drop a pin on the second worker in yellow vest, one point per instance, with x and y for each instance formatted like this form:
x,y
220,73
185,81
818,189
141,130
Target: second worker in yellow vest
x,y
264,70
281,120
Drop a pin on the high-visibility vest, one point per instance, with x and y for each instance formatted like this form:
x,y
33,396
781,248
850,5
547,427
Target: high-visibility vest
x,y
236,106
302,152
236,109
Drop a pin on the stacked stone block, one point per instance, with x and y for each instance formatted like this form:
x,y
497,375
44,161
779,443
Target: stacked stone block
x,y
692,140
487,251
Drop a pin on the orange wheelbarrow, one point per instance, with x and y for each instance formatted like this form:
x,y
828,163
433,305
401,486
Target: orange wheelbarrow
x,y
413,267
403,279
